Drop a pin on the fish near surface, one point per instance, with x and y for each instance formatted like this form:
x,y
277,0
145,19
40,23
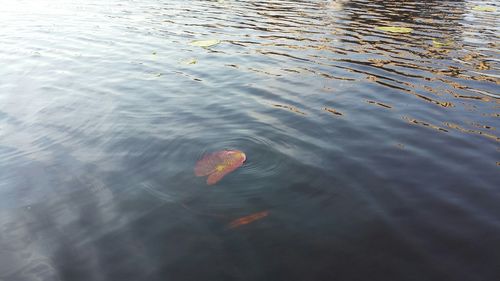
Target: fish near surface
x,y
218,164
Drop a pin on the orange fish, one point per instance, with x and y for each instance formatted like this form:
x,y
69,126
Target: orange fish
x,y
218,164
248,219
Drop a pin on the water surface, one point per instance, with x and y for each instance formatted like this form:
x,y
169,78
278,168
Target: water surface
x,y
375,154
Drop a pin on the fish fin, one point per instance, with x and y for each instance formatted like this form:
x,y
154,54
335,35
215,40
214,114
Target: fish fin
x,y
216,176
207,165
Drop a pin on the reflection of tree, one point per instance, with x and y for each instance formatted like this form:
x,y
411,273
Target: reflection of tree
x,y
438,19
409,12
435,24
443,46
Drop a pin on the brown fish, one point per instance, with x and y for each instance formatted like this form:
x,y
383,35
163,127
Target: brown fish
x,y
248,219
218,164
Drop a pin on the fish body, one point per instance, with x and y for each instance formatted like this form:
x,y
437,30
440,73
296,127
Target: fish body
x,y
218,164
248,219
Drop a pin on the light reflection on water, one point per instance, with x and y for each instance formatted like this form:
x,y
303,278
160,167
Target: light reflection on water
x,y
375,153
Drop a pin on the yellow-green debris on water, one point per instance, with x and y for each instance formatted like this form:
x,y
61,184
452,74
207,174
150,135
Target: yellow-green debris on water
x,y
189,61
484,8
438,44
395,29
204,43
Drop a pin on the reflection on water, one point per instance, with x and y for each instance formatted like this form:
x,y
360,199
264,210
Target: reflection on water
x,y
371,154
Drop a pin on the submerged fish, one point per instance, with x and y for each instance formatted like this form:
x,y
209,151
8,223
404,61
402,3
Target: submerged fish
x,y
218,164
248,219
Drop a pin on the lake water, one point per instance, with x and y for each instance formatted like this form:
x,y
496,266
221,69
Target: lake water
x,y
375,153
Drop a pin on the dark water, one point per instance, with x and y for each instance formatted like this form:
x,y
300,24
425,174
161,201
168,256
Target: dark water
x,y
376,154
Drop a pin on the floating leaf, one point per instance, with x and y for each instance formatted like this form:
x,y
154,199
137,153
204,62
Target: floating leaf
x,y
395,29
484,8
218,164
205,43
248,219
438,44
189,61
